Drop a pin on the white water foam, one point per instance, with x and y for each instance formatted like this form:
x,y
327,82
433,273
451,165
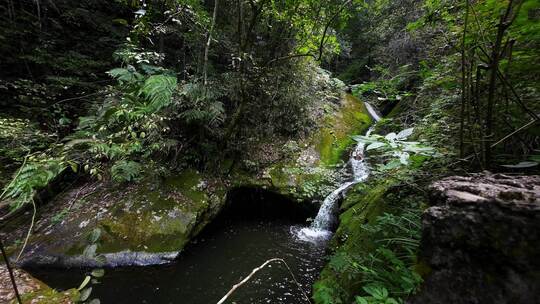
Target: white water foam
x,y
323,222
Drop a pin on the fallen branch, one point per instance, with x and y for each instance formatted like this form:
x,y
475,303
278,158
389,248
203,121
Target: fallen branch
x,y
254,271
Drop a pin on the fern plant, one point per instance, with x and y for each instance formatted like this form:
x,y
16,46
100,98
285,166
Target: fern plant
x,y
158,91
30,178
126,171
387,272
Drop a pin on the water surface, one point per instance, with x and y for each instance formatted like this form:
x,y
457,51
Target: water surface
x,y
222,256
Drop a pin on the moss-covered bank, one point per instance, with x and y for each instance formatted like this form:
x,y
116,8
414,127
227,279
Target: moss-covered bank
x,y
376,242
361,206
310,171
32,290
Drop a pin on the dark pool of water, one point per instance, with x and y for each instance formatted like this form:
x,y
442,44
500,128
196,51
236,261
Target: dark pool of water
x,y
219,258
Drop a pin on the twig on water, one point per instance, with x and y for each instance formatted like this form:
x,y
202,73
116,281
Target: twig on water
x,y
254,271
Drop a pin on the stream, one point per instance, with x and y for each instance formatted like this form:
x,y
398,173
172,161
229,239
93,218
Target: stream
x,y
228,250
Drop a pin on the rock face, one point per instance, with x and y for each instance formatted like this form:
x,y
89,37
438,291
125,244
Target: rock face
x,y
481,241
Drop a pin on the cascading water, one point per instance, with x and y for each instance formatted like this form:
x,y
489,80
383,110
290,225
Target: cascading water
x,y
323,222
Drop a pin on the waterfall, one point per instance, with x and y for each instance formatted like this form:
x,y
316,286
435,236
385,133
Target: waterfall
x,y
323,222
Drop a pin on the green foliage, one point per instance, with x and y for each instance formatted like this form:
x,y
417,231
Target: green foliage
x,y
93,276
396,150
387,86
385,266
36,173
126,171
64,54
158,90
19,137
390,265
201,106
377,295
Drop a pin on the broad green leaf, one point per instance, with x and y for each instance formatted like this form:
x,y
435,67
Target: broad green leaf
x,y
95,235
405,133
84,282
85,294
98,273
391,136
404,158
361,300
375,145
90,251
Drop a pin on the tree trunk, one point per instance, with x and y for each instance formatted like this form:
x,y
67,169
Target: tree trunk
x,y
464,82
209,41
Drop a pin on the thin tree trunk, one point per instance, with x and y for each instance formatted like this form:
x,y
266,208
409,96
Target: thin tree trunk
x,y
241,105
209,41
327,26
464,82
494,68
38,7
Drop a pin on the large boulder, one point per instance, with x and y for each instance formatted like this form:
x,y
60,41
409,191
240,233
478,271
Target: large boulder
x,y
481,241
144,223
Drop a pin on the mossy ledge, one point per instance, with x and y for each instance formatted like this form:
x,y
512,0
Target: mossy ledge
x,y
363,204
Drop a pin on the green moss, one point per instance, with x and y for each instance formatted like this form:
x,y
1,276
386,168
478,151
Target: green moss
x,y
334,138
159,220
279,177
187,183
154,215
50,296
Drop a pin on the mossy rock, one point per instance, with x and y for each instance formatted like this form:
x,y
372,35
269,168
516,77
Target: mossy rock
x,y
50,296
148,222
32,290
334,138
308,174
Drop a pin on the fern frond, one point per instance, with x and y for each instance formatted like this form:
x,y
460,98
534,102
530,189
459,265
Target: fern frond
x,y
126,171
30,178
158,89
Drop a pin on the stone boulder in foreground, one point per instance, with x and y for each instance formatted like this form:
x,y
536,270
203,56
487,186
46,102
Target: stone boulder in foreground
x,y
32,291
481,240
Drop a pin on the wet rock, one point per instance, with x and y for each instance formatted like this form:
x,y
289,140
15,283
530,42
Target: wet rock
x,y
481,240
